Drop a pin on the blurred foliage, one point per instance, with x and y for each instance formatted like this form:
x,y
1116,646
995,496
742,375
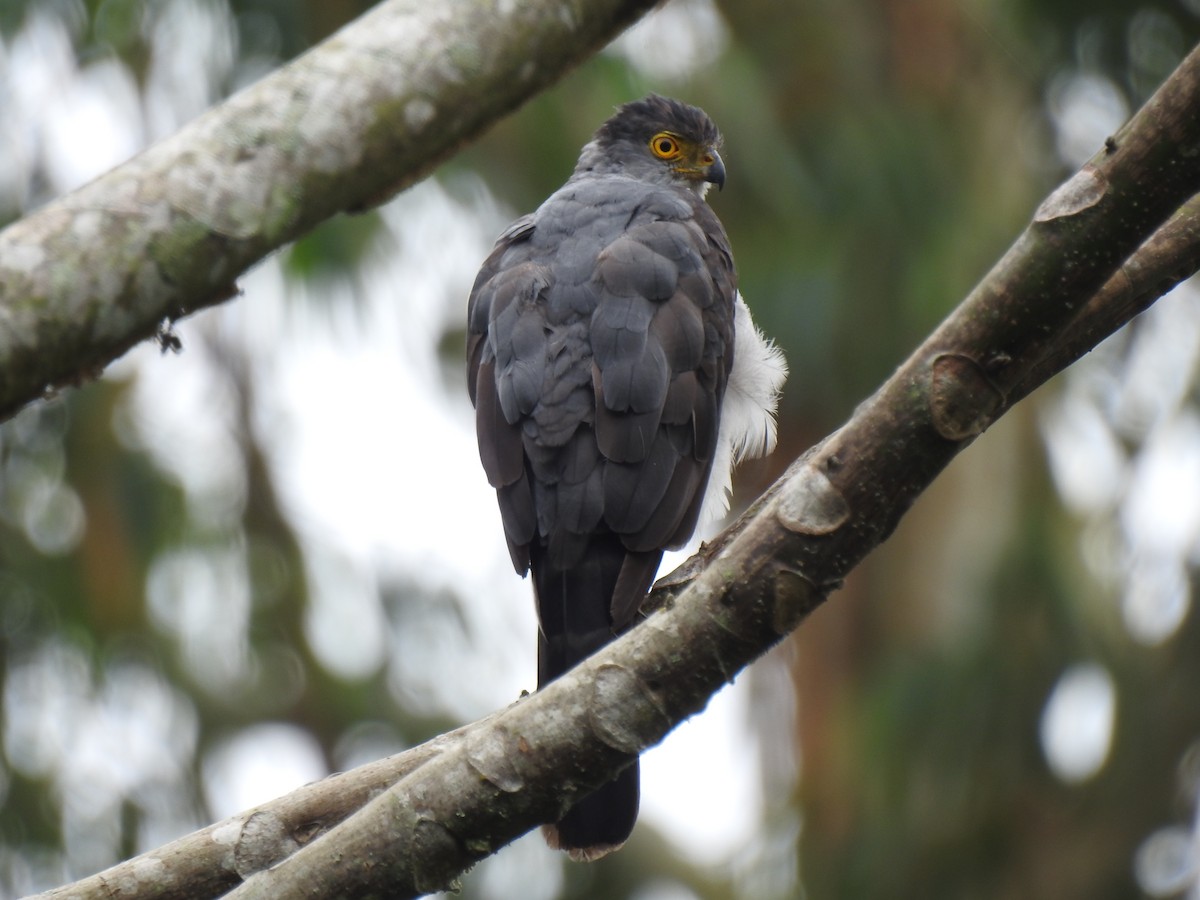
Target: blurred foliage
x,y
882,154
334,248
279,27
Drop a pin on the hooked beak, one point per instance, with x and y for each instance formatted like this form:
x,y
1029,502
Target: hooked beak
x,y
715,174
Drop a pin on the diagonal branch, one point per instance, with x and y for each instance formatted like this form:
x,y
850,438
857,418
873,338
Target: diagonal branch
x,y
214,860
1170,257
363,115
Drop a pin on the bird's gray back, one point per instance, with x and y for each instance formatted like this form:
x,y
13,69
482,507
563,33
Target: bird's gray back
x,y
600,338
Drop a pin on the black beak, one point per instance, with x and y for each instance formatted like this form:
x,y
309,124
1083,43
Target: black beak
x,y
716,171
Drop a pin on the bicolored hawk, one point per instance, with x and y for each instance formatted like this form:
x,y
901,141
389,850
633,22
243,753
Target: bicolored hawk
x,y
616,377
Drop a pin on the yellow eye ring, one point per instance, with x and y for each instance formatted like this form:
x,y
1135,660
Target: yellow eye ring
x,y
665,146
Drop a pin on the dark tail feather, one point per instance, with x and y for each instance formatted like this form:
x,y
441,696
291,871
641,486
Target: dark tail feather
x,y
575,606
599,823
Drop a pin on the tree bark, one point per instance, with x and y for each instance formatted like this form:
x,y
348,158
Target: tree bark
x,y
216,859
361,116
1072,277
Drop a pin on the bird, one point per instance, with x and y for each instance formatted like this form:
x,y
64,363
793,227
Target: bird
x,y
616,375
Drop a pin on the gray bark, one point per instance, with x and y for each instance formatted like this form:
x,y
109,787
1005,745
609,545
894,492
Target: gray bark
x,y
359,117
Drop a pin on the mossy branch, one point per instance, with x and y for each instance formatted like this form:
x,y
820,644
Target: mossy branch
x,y
357,118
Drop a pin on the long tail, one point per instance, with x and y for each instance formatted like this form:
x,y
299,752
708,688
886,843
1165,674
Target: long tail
x,y
575,607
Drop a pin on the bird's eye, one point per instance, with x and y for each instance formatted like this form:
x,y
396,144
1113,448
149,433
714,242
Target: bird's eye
x,y
664,146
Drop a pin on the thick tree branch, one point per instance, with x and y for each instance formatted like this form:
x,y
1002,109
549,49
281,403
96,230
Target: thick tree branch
x,y
214,860
1172,255
969,371
359,117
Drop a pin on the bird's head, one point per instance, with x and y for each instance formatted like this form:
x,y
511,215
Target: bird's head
x,y
659,139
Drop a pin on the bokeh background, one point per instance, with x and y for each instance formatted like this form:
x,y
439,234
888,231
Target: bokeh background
x,y
233,569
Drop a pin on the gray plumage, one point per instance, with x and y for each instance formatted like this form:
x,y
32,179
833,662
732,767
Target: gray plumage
x,y
600,341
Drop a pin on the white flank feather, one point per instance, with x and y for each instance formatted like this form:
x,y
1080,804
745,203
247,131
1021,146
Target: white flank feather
x,y
748,414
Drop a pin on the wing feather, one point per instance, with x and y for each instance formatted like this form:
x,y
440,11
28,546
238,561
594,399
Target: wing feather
x,y
600,337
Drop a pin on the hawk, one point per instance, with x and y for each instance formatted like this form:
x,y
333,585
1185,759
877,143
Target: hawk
x,y
616,376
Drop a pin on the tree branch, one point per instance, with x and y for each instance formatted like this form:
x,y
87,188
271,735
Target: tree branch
x,y
363,115
214,860
1171,256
